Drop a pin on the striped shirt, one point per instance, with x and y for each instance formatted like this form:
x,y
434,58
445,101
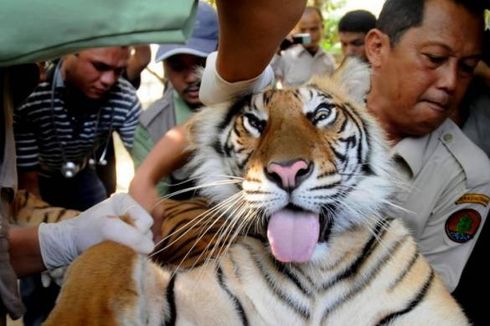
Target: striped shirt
x,y
76,137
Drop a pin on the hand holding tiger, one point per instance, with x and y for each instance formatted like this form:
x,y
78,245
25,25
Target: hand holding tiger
x,y
62,242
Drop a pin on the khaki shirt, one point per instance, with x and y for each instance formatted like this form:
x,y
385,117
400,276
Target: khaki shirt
x,y
296,66
9,296
448,179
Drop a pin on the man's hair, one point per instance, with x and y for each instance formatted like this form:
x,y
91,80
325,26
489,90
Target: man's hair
x,y
357,21
397,16
309,9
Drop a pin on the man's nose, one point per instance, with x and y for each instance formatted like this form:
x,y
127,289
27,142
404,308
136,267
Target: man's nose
x,y
448,78
349,50
191,75
109,77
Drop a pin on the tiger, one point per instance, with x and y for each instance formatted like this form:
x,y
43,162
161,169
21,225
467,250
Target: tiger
x,y
298,180
29,209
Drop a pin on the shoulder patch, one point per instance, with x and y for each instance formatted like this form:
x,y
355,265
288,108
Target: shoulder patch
x,y
462,225
474,199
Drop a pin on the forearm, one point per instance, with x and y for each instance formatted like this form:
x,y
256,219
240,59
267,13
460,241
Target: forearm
x,y
250,33
25,253
167,155
138,61
30,182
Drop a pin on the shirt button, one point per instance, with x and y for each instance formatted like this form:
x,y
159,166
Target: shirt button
x,y
447,138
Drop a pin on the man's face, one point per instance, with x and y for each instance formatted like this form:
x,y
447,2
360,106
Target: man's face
x,y
420,81
311,23
180,69
94,72
352,44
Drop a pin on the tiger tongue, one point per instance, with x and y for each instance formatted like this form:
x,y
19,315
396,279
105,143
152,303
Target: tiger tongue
x,y
293,235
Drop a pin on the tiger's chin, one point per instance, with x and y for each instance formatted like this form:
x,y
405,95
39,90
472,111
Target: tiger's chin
x,y
294,234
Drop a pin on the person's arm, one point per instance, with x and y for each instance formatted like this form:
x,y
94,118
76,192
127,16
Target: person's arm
x,y
167,155
29,181
250,33
460,223
138,61
52,245
25,254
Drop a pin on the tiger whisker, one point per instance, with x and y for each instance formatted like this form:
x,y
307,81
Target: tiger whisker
x,y
204,232
224,214
195,221
242,221
197,187
224,233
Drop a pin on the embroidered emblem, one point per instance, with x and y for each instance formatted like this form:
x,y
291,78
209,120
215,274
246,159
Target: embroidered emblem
x,y
474,199
462,225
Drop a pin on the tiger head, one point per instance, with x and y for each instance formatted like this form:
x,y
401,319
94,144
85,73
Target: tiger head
x,y
298,165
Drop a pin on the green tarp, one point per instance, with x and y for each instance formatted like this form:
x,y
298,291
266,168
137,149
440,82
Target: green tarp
x,y
35,30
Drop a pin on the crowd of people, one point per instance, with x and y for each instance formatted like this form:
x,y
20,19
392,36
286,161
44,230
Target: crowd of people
x,y
423,56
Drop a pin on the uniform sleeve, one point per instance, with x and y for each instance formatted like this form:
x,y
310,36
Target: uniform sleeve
x,y
452,231
25,140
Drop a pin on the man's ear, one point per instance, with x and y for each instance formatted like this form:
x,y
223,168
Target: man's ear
x,y
376,44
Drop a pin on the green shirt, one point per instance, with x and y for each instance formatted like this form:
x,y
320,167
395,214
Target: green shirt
x,y
143,142
182,110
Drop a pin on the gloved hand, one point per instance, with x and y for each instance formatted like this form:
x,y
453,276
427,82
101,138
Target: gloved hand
x,y
214,89
62,242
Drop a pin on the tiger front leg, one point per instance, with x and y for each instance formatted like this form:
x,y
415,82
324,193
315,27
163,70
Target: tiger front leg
x,y
110,284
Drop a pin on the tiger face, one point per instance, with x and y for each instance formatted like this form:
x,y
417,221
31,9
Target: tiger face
x,y
296,166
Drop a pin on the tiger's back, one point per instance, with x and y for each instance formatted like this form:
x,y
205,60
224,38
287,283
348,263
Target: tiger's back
x,y
298,180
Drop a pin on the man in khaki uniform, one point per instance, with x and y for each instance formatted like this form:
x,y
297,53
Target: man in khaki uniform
x,y
421,67
242,34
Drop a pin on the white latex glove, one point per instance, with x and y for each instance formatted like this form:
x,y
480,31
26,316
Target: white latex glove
x,y
62,242
214,89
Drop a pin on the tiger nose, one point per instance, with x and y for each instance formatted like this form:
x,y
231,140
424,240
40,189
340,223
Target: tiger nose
x,y
288,175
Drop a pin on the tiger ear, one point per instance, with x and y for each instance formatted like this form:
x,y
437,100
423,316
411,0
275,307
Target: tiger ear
x,y
354,76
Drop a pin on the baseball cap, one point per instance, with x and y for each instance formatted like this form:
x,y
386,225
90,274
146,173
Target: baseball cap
x,y
203,40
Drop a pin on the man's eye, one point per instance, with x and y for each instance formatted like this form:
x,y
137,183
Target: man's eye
x,y
177,67
466,69
435,59
100,67
358,43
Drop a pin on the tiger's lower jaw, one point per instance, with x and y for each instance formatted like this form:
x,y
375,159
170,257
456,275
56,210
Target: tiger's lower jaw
x,y
293,234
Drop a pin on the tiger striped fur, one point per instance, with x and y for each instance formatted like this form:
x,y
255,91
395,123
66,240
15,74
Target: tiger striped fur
x,y
31,210
299,168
